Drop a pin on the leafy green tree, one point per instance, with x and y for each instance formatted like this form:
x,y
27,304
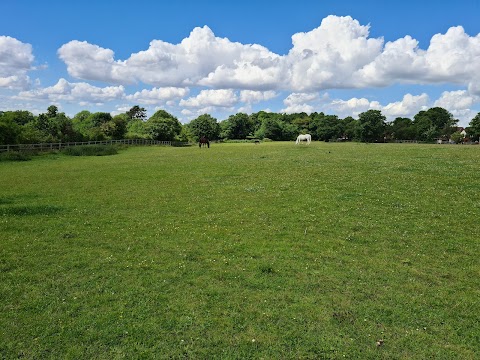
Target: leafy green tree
x,y
457,137
99,118
52,111
96,126
137,129
290,131
62,128
329,127
204,125
474,128
137,113
163,126
31,135
402,129
118,126
238,126
256,119
302,122
18,116
81,125
434,123
271,129
9,131
53,126
372,126
350,128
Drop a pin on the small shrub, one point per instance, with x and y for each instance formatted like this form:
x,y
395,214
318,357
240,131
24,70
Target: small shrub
x,y
14,156
91,150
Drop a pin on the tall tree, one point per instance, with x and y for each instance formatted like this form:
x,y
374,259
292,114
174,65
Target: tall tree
x,y
9,131
238,126
350,128
434,122
204,125
402,129
372,126
474,128
137,113
329,127
163,126
52,111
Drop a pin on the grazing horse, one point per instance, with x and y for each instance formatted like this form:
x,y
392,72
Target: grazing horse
x,y
203,142
306,137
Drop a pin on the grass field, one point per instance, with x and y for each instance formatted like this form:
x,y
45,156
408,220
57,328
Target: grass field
x,y
242,251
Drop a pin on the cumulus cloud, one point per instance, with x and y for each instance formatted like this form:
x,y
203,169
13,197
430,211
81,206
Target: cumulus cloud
x,y
460,104
82,93
16,60
201,58
457,100
158,95
353,106
408,107
91,62
216,98
338,54
327,56
251,96
299,102
452,57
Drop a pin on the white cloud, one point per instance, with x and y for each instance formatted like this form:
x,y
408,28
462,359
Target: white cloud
x,y
460,104
251,96
327,56
211,98
16,61
300,98
452,57
456,100
158,95
82,93
408,107
299,102
337,54
353,107
298,108
91,62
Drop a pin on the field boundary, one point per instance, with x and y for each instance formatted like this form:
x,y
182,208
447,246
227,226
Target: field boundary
x,y
60,145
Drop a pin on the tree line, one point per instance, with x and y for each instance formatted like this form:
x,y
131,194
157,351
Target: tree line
x,y
22,127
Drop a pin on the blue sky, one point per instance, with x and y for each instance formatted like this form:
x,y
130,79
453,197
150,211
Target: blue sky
x,y
224,57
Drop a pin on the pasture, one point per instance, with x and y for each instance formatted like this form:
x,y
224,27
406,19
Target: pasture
x,y
242,251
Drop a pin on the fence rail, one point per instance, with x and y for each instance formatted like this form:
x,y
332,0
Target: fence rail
x,y
59,146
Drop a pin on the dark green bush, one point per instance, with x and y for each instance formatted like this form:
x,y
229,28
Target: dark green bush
x,y
14,156
91,150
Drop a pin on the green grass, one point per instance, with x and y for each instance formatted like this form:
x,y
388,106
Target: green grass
x,y
242,251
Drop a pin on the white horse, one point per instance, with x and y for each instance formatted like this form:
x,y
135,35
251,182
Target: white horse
x,y
306,137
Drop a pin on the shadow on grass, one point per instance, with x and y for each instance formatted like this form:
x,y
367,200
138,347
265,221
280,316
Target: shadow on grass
x,y
27,210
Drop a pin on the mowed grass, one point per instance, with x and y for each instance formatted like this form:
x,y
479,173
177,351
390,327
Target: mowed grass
x,y
242,251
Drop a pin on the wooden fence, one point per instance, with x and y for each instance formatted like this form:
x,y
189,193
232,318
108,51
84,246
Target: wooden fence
x,y
59,146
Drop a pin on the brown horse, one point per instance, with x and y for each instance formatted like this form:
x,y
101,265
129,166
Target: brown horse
x,y
203,142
